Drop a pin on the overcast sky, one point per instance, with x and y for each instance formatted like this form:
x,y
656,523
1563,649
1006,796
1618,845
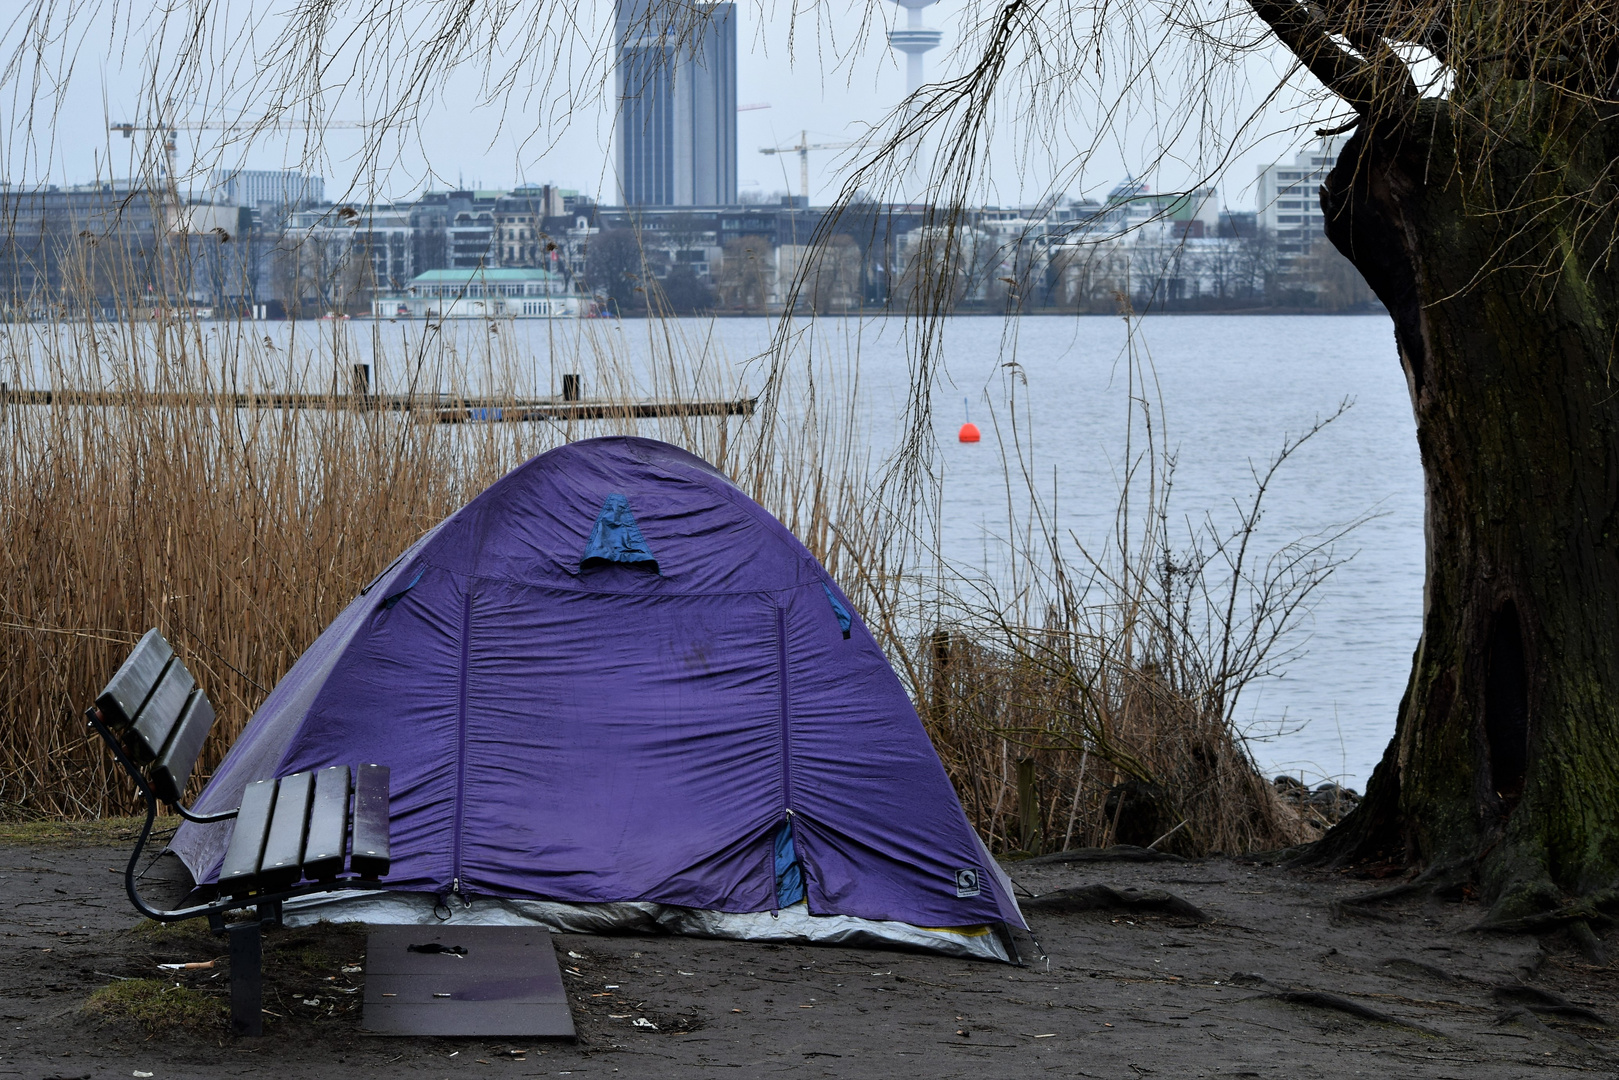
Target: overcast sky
x,y
833,82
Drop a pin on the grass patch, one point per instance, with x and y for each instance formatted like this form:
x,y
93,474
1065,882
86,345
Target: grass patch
x,y
107,830
192,933
158,1006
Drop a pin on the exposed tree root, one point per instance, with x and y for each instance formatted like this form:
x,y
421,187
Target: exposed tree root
x,y
1341,911
1525,1018
1547,1003
1417,967
1319,999
1103,898
1580,917
1599,908
1586,940
1530,907
1434,879
1116,853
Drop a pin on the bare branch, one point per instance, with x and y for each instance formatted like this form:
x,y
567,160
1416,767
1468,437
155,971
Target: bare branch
x,y
1366,84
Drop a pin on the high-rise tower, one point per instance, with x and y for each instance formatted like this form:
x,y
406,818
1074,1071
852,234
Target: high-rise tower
x,y
676,137
914,40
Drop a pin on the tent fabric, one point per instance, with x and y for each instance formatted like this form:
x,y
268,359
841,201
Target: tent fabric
x,y
600,734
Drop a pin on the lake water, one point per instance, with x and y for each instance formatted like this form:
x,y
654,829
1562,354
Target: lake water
x,y
1231,388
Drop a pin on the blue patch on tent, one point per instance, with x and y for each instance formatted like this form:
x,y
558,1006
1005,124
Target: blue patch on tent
x,y
616,538
389,601
845,620
789,877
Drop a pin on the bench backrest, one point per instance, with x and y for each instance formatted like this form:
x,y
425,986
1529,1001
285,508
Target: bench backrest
x,y
161,715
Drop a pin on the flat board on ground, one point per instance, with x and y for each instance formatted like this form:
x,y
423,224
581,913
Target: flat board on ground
x,y
472,980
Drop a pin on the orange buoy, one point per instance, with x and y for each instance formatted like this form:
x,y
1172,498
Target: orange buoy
x,y
969,432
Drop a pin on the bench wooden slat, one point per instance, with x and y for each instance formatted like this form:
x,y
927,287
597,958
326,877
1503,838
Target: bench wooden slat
x,y
282,863
173,766
370,858
132,685
240,871
326,845
157,717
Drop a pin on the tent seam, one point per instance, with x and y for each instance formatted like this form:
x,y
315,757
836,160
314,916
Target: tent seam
x,y
461,736
786,716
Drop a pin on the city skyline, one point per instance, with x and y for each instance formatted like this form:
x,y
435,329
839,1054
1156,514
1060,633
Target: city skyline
x,y
463,138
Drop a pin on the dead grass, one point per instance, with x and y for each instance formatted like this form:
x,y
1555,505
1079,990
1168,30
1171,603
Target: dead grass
x,y
58,831
193,934
1054,743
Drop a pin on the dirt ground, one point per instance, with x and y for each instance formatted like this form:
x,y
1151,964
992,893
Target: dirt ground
x,y
1269,985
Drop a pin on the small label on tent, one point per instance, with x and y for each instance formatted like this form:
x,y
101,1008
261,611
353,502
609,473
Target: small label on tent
x,y
966,883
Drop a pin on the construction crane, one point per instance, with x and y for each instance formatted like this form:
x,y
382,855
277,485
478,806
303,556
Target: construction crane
x,y
802,149
171,131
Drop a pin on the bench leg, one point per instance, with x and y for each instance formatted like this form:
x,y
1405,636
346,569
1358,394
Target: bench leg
x,y
270,913
246,983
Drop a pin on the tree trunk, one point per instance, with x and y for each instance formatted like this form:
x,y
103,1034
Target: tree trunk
x,y
1492,249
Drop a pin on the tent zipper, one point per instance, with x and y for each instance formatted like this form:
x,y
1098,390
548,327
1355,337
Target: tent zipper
x,y
461,740
786,740
775,894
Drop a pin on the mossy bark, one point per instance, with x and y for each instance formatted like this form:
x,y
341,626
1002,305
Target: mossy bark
x,y
1492,247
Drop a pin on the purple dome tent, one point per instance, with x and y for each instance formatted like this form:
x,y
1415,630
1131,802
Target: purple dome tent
x,y
615,692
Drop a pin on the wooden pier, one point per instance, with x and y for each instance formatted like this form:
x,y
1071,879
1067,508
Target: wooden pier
x,y
442,408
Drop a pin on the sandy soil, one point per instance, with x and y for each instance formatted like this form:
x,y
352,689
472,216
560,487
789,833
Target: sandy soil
x,y
1260,989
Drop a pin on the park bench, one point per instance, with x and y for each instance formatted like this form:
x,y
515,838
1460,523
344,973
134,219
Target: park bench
x,y
292,836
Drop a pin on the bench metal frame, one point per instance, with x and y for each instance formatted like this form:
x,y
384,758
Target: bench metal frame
x,y
246,946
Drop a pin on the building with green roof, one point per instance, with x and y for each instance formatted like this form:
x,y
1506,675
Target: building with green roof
x,y
482,293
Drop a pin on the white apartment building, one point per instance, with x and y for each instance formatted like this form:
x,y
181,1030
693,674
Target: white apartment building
x,y
1289,199
382,235
283,189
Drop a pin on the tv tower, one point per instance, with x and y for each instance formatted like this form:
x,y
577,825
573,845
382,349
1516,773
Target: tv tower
x,y
914,40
